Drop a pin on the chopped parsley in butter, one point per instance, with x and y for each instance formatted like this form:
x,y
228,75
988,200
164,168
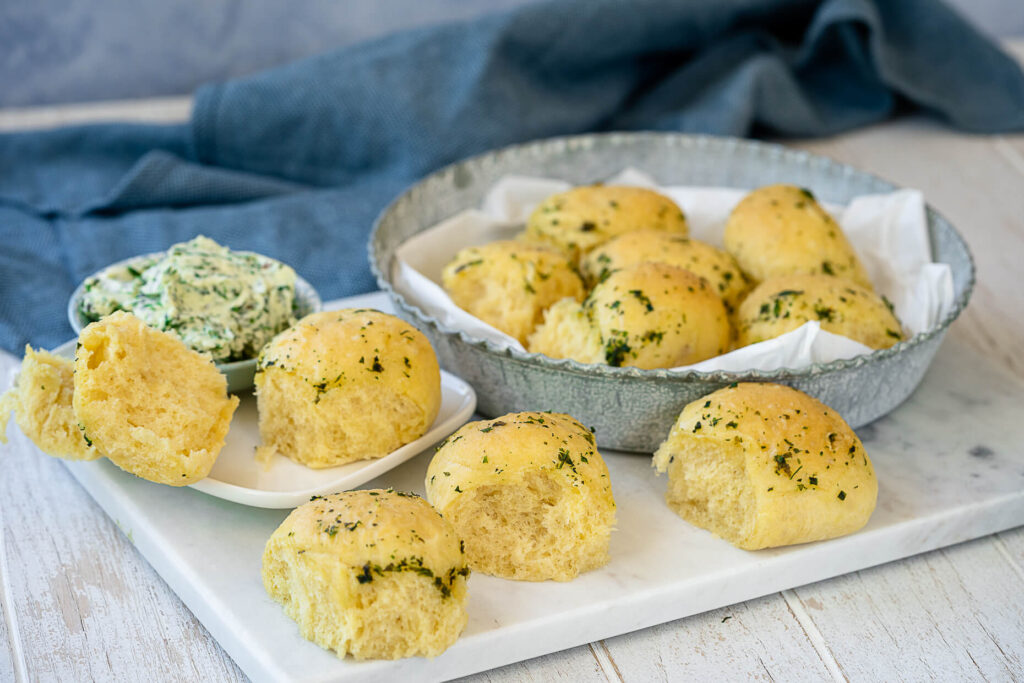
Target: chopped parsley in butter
x,y
225,303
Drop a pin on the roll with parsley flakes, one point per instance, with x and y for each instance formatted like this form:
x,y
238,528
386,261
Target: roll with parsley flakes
x,y
764,465
584,217
782,304
528,493
377,574
345,385
650,315
712,264
509,284
782,230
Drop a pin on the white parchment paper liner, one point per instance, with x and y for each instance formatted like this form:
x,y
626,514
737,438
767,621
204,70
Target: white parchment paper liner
x,y
889,232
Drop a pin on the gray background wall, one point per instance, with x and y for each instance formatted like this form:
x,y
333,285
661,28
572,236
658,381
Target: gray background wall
x,y
55,51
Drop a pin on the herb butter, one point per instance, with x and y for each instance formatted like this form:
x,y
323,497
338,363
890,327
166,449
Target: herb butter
x,y
225,303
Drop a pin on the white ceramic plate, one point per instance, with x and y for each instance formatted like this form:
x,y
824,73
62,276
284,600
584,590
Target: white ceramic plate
x,y
237,476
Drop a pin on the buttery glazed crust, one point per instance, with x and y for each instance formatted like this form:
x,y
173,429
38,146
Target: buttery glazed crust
x,y
650,315
714,265
580,219
378,574
346,385
782,304
509,284
764,465
528,492
782,230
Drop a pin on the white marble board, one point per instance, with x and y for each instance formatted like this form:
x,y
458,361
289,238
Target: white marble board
x,y
950,464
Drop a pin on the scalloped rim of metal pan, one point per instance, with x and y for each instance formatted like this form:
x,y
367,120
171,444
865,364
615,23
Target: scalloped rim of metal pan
x,y
611,372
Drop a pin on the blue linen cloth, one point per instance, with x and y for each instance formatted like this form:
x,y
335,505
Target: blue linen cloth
x,y
296,162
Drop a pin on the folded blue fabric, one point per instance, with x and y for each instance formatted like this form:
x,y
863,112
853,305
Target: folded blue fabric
x,y
296,162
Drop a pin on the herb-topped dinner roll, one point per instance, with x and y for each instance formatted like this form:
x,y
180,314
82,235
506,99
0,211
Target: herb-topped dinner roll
x,y
783,304
376,574
782,230
346,385
714,265
650,315
584,217
763,465
509,284
42,404
153,406
528,493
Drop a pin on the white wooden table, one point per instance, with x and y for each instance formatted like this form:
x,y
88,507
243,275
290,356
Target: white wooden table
x,y
79,602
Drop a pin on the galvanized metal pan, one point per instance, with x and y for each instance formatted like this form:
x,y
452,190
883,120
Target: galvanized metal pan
x,y
633,409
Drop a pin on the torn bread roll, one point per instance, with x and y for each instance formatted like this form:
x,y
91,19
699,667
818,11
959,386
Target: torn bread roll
x,y
346,385
41,400
528,493
153,406
509,284
764,465
377,574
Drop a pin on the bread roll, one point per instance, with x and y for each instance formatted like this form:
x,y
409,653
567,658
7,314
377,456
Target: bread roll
x,y
584,217
346,385
41,401
529,494
763,465
714,265
509,284
650,315
781,230
783,304
376,574
152,405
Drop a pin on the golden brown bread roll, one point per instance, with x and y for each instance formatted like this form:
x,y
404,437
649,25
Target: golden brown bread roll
x,y
153,406
528,493
346,385
650,315
714,265
42,405
578,220
782,230
509,284
782,304
764,465
377,574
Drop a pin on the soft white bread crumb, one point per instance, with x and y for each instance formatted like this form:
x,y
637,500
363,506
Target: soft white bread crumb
x,y
153,406
568,332
764,465
528,493
375,574
42,405
346,385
